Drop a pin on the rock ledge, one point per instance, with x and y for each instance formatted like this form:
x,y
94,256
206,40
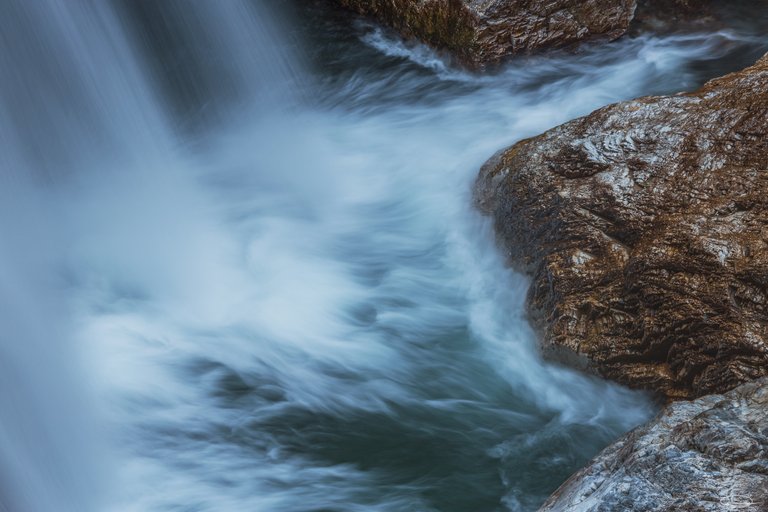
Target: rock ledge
x,y
645,228
482,32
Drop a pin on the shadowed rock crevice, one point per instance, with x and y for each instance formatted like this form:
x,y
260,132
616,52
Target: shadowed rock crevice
x,y
645,228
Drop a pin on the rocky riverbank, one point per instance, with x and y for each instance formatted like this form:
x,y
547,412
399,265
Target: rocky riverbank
x,y
645,228
707,455
481,33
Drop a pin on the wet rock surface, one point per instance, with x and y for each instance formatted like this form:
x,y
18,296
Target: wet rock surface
x,y
708,455
481,32
645,228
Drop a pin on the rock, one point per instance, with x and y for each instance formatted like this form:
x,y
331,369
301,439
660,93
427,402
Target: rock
x,y
482,32
708,455
645,228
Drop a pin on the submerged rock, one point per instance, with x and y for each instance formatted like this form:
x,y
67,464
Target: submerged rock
x,y
708,455
645,228
481,32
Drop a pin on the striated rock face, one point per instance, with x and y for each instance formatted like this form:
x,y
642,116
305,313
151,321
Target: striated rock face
x,y
645,228
481,32
709,455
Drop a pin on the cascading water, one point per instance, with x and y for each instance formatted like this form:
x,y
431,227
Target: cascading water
x,y
293,306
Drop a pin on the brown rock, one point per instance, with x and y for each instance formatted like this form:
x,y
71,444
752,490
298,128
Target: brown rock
x,y
645,227
481,32
708,455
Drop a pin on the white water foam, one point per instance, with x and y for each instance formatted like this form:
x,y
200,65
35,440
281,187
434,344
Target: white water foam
x,y
277,317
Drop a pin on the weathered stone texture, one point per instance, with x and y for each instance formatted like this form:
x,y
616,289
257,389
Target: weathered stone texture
x,y
645,228
709,455
481,32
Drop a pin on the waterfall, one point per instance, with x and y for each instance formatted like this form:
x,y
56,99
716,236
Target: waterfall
x,y
78,100
240,269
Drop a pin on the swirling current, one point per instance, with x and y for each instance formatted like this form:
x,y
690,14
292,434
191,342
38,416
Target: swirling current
x,y
241,270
